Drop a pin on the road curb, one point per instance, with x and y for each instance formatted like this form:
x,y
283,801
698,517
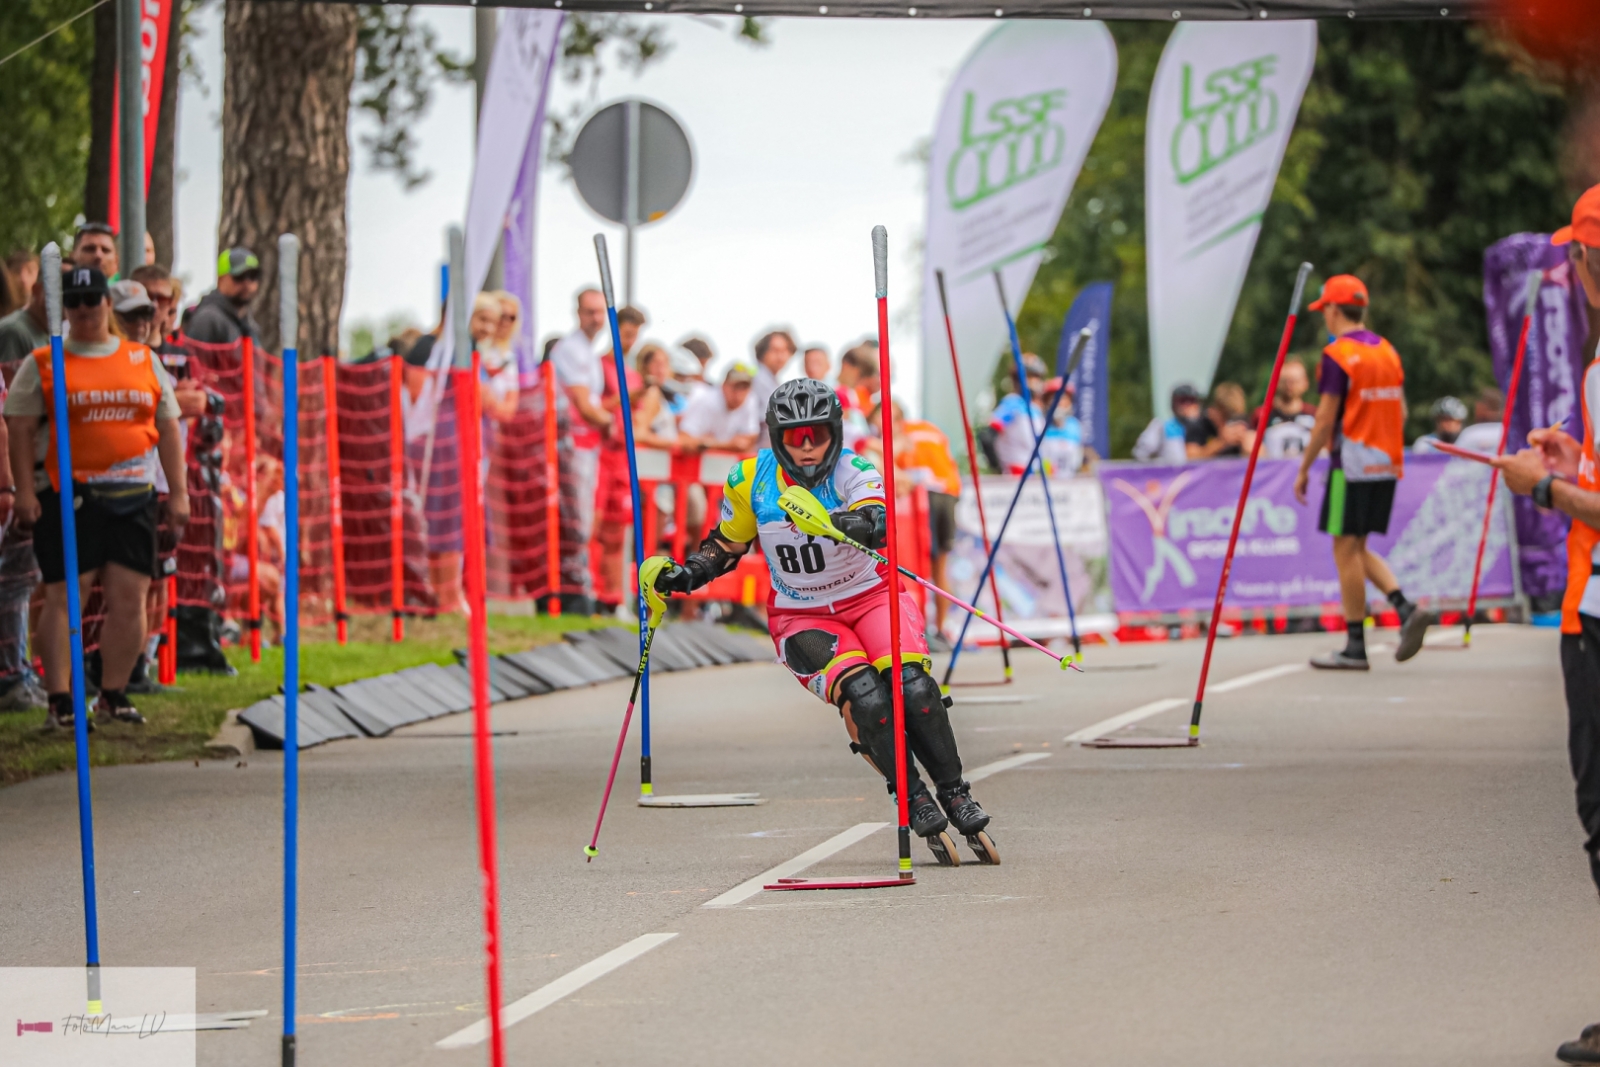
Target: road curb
x,y
233,739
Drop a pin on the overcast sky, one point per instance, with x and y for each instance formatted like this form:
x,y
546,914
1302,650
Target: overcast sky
x,y
801,147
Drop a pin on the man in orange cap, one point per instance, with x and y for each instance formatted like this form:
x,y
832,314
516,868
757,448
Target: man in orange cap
x,y
1560,473
1361,419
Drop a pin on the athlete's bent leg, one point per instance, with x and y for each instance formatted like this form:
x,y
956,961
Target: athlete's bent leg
x,y
928,725
864,698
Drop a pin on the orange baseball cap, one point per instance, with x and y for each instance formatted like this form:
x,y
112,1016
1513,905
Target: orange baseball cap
x,y
1341,289
1585,226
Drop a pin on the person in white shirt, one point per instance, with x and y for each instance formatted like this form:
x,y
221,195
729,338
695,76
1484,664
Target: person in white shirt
x,y
773,353
1163,440
578,370
722,420
1484,433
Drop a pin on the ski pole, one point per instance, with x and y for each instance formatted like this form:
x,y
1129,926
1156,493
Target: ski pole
x,y
289,329
619,358
811,518
50,272
972,461
988,565
1044,479
1535,279
1244,493
649,570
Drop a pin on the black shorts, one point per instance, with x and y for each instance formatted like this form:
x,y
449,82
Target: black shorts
x,y
103,537
941,523
1356,508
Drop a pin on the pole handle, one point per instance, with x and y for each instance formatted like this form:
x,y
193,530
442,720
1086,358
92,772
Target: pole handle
x,y
944,300
1531,296
289,292
880,260
1079,346
605,270
1000,287
461,336
50,268
1299,289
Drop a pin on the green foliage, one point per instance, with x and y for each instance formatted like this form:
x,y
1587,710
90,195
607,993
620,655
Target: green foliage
x,y
397,63
1418,145
44,124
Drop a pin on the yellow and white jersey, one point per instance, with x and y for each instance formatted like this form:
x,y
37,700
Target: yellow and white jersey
x,y
807,571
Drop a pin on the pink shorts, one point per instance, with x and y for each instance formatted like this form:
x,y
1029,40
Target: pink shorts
x,y
819,645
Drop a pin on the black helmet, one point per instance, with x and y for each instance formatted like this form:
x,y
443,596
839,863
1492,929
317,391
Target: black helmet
x,y
805,402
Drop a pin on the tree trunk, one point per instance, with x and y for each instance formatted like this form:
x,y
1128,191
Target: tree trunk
x,y
102,87
286,153
160,205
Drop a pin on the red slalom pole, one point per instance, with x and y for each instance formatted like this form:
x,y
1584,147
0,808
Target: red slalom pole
x,y
251,536
880,271
1535,279
1244,494
330,404
552,490
977,486
464,379
397,488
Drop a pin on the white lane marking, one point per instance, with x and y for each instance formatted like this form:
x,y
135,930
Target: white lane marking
x,y
837,843
1156,707
1257,676
978,774
567,984
1127,718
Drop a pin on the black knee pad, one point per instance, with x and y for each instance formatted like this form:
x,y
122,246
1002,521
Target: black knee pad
x,y
928,729
872,710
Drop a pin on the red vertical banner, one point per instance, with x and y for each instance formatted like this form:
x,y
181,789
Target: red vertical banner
x,y
155,18
552,489
252,514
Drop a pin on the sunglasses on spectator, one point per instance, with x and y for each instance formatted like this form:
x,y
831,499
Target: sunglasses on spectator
x,y
248,276
82,300
96,227
807,436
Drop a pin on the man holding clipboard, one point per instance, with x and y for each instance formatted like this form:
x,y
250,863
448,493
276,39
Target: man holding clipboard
x,y
1560,473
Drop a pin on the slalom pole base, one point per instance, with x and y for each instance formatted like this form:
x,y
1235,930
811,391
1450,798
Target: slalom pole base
x,y
702,800
1141,742
288,1050
783,884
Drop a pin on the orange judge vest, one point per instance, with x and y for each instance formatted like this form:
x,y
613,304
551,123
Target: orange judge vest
x,y
111,412
1582,538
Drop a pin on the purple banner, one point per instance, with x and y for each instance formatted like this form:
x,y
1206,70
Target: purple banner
x,y
1169,531
1552,374
520,244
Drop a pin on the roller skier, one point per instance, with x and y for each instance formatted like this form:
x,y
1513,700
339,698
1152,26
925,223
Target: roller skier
x,y
829,610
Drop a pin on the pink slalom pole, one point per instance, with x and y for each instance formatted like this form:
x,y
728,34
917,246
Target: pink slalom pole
x,y
1244,495
1535,277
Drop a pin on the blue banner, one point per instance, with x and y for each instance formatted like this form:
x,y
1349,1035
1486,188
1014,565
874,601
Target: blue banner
x,y
1092,379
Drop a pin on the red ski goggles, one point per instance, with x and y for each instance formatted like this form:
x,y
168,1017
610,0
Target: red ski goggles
x,y
807,437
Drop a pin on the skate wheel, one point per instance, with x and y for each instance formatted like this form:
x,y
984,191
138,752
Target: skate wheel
x,y
944,849
983,845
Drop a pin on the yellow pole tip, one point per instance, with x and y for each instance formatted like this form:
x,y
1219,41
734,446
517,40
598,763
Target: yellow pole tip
x,y
646,789
95,1008
591,852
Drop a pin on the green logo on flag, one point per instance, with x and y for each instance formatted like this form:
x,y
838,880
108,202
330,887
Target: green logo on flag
x,y
1239,114
1020,143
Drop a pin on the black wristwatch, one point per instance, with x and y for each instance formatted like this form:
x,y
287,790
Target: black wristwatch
x,y
1541,491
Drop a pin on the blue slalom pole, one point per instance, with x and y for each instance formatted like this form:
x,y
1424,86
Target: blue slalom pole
x,y
289,329
1044,480
50,267
1016,495
617,355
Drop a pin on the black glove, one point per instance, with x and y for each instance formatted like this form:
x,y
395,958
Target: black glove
x,y
866,525
675,579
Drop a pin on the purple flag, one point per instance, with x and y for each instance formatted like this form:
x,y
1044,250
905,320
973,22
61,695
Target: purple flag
x,y
1552,375
521,248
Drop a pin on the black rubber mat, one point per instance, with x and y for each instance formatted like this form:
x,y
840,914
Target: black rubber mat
x,y
689,634
669,653
443,688
266,721
329,704
535,685
373,698
560,666
621,646
602,665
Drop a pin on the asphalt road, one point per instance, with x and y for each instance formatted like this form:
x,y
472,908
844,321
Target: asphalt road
x,y
1379,869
